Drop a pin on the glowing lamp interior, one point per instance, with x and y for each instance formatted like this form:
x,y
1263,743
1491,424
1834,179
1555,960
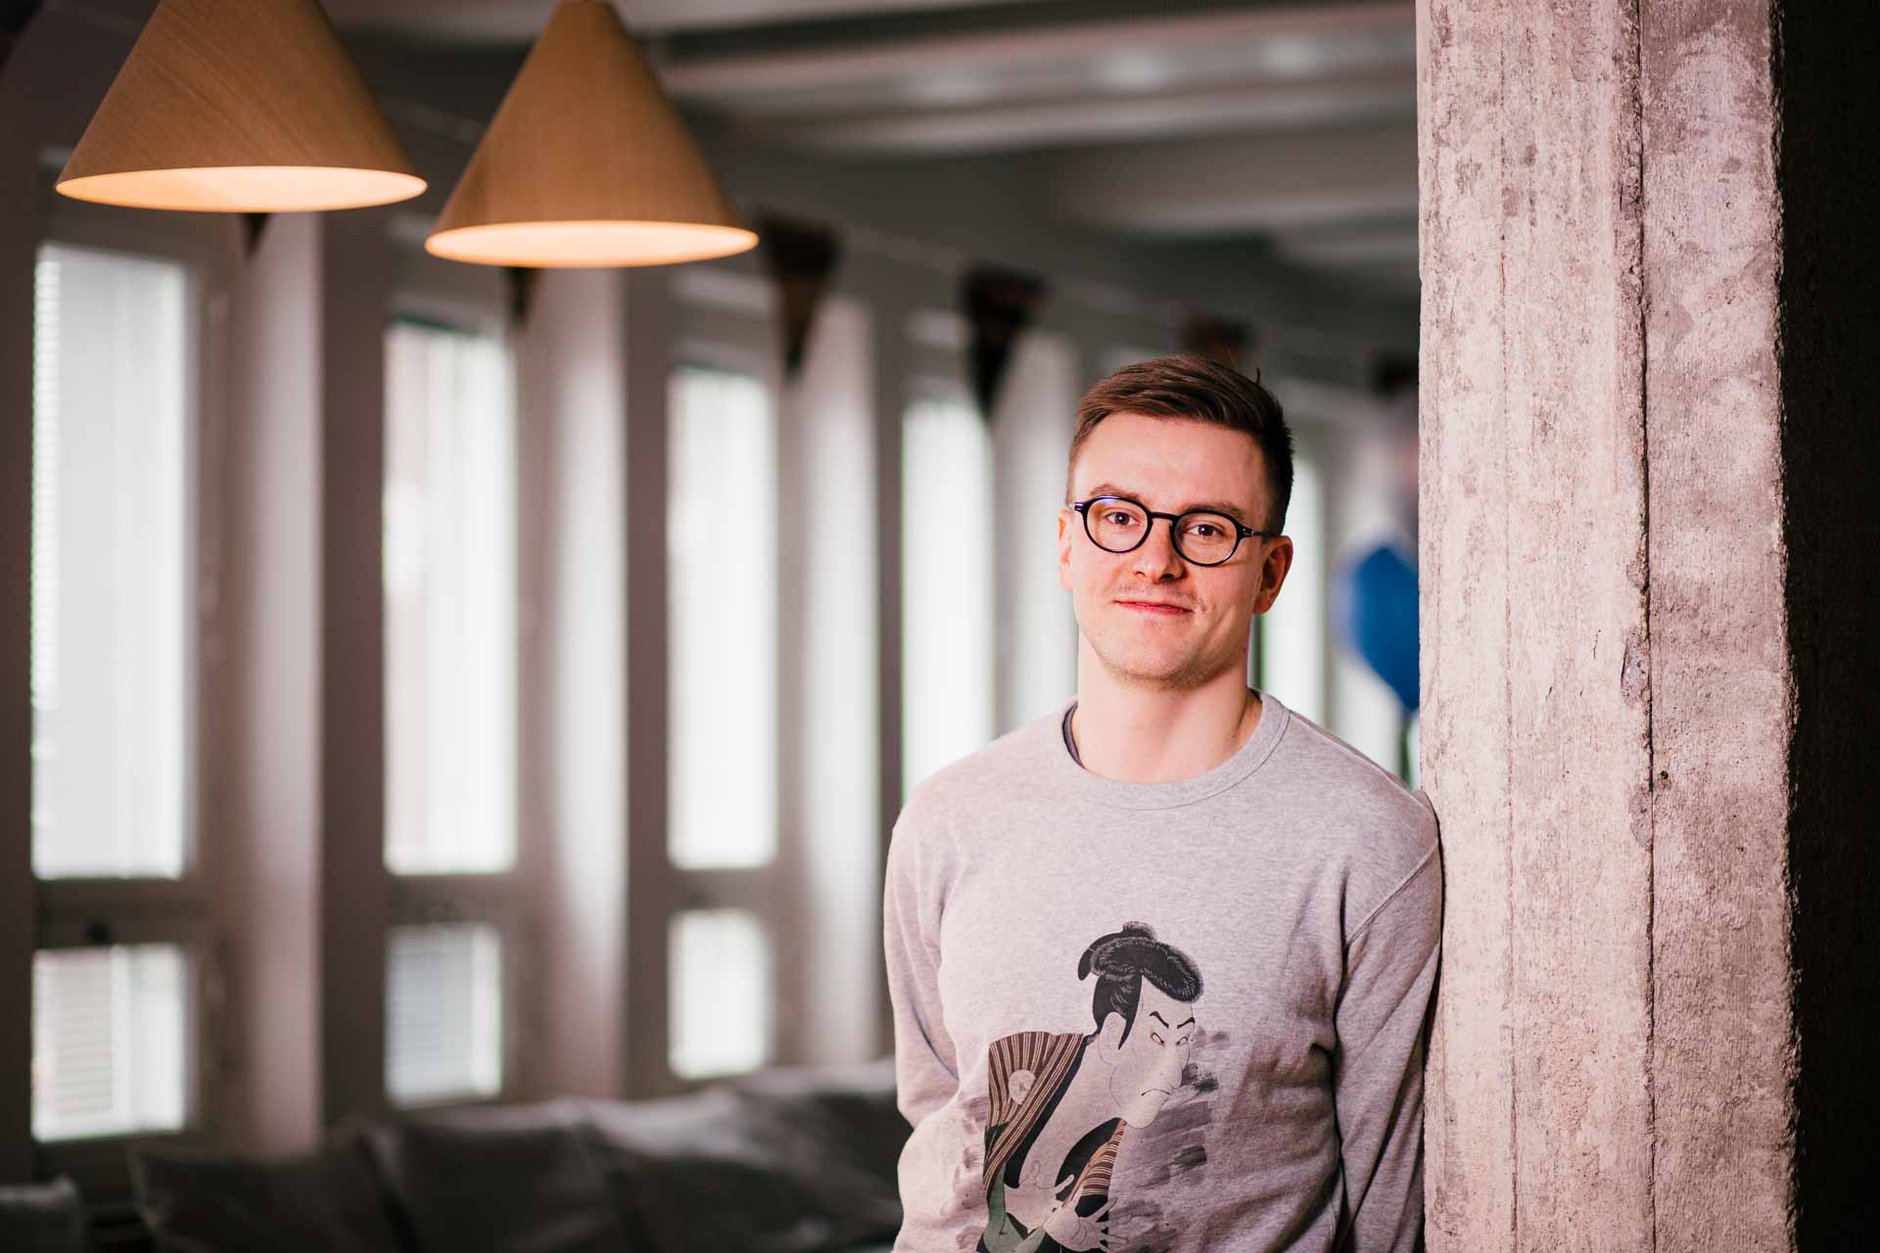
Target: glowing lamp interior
x,y
557,245
246,188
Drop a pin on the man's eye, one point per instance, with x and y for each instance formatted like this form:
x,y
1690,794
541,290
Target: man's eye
x,y
1206,530
1156,1037
1117,517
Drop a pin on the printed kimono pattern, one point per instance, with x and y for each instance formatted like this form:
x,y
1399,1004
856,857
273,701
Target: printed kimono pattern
x,y
1059,1104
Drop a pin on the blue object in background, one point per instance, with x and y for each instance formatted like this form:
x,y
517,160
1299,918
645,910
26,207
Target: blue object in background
x,y
1377,618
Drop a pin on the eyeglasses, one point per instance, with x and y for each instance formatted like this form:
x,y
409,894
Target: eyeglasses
x,y
1118,524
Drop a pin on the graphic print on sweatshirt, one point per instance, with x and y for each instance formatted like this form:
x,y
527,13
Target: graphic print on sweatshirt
x,y
1060,1105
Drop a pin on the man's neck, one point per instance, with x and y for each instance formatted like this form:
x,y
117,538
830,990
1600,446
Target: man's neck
x,y
1140,735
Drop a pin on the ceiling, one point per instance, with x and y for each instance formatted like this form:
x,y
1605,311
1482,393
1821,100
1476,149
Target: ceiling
x,y
1292,123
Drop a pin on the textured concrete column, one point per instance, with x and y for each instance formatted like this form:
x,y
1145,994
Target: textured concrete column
x,y
1646,285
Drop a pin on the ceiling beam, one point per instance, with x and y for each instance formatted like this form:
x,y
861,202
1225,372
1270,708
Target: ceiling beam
x,y
1386,244
1239,183
1095,117
724,77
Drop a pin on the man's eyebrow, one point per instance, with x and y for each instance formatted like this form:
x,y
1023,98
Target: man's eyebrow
x,y
1216,506
1155,1014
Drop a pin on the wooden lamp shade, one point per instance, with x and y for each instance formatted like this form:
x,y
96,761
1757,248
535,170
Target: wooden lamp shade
x,y
587,163
239,106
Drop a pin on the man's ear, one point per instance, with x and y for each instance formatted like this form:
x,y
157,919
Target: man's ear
x,y
1273,568
1112,1031
1064,547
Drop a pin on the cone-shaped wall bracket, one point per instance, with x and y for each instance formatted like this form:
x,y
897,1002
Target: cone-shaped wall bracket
x,y
801,257
239,106
587,163
999,305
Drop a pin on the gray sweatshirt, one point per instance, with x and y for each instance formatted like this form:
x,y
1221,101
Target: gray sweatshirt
x,y
1174,1016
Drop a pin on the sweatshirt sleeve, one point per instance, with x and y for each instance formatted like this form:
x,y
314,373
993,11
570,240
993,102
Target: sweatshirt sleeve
x,y
1377,1070
926,1068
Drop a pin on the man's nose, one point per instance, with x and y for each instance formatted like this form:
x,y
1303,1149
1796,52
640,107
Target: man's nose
x,y
1156,554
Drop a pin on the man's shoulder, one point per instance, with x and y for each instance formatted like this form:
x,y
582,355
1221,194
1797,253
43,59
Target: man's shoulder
x,y
1354,803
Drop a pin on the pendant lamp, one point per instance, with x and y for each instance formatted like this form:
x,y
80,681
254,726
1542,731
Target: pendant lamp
x,y
587,163
245,106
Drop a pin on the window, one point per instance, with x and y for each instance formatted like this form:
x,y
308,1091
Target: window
x,y
723,621
112,668
450,603
444,1012
947,583
451,813
1031,430
109,1032
721,980
1292,632
111,604
721,545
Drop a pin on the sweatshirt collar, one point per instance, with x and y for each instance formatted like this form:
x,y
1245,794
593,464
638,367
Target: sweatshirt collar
x,y
1168,795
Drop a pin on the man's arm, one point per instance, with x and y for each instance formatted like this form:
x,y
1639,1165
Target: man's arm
x,y
926,1071
1377,1070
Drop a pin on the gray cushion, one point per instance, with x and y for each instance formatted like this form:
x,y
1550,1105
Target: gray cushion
x,y
43,1218
733,1168
849,1110
515,1179
205,1202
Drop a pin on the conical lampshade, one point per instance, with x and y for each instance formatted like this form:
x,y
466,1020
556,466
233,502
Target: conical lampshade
x,y
587,163
239,106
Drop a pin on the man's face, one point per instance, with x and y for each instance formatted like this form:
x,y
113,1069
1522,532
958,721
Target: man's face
x,y
1146,1069
1169,464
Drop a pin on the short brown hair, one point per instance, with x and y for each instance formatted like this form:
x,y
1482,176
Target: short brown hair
x,y
1200,390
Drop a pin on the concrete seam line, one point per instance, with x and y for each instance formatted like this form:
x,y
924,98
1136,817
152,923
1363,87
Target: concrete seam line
x,y
1640,315
1507,631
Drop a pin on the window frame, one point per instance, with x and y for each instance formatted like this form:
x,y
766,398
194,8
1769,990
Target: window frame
x,y
931,385
471,300
725,320
1328,421
149,909
1310,441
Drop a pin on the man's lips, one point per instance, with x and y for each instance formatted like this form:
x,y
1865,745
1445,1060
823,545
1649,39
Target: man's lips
x,y
1162,608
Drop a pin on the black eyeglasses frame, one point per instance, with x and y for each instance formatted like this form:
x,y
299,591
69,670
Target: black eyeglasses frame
x,y
1175,531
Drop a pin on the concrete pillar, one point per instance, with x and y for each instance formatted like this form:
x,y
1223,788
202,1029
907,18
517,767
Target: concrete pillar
x,y
649,327
1646,280
355,892
829,843
267,781
572,379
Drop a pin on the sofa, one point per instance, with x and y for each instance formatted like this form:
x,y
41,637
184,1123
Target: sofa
x,y
787,1161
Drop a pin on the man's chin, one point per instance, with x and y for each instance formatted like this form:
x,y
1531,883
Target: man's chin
x,y
1150,667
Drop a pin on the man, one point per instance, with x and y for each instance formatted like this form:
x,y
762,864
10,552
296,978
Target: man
x,y
1195,824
